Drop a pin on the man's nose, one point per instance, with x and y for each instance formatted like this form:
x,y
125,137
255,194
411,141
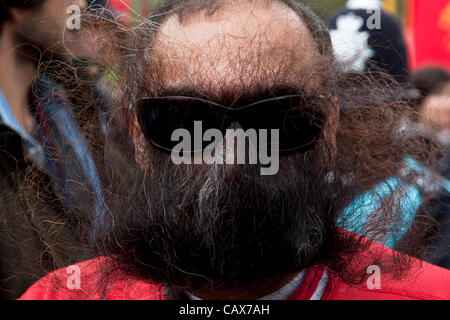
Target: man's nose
x,y
235,125
230,143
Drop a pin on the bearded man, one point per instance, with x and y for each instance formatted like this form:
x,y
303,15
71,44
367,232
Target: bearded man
x,y
204,229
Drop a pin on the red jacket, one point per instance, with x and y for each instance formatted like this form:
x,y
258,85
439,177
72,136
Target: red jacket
x,y
425,282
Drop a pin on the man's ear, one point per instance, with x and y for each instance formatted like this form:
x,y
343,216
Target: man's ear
x,y
141,150
17,15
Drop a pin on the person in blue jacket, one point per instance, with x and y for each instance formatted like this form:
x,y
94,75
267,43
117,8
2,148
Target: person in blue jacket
x,y
39,135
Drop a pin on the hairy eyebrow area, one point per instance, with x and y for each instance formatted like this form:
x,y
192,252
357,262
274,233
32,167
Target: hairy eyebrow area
x,y
238,98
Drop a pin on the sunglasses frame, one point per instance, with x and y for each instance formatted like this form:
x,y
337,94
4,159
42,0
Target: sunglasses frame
x,y
139,115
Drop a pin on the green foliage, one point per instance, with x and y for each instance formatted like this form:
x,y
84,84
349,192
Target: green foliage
x,y
138,3
324,8
321,7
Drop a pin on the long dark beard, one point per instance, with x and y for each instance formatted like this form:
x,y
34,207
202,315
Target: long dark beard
x,y
197,226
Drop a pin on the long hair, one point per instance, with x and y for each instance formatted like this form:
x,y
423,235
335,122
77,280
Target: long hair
x,y
371,148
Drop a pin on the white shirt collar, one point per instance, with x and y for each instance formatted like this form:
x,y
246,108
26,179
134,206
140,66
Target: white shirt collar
x,y
287,290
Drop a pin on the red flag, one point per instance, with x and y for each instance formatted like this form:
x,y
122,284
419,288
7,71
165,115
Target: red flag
x,y
429,33
121,6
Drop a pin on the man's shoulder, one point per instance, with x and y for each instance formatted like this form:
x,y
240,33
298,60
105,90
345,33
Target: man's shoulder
x,y
88,281
423,281
428,283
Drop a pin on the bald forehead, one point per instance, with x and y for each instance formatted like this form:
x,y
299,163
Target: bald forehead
x,y
248,43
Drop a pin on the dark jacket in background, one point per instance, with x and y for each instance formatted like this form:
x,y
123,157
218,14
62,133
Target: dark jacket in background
x,y
439,209
387,43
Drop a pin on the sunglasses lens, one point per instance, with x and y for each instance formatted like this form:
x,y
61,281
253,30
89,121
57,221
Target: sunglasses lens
x,y
298,120
159,118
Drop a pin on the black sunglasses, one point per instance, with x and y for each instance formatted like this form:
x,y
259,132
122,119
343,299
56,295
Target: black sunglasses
x,y
299,119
